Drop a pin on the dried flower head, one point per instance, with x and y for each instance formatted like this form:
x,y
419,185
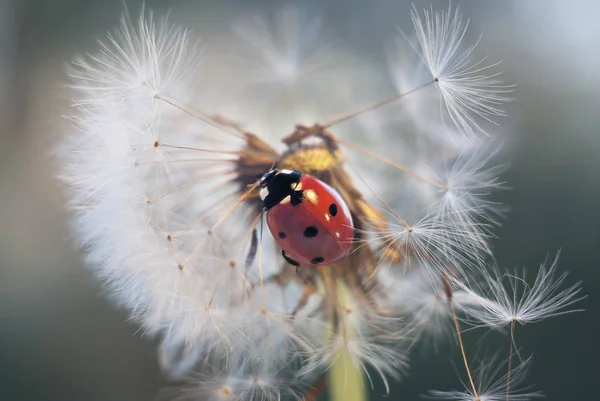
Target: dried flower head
x,y
165,199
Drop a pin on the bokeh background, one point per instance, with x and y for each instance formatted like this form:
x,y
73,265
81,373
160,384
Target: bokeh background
x,y
61,340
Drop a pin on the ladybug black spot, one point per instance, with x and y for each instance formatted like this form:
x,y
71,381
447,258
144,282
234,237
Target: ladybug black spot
x,y
281,234
333,209
311,232
318,260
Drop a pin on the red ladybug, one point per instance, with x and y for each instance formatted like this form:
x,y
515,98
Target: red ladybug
x,y
308,219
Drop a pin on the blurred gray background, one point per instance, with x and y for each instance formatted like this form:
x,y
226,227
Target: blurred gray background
x,y
61,340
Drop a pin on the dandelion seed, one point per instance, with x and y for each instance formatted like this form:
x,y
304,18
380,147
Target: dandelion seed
x,y
507,298
287,50
430,244
424,301
468,90
136,64
286,58
470,178
491,384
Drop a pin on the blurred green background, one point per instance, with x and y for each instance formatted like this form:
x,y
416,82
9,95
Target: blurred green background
x,y
61,340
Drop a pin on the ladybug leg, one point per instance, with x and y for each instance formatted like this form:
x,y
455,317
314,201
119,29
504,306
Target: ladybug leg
x,y
252,251
290,260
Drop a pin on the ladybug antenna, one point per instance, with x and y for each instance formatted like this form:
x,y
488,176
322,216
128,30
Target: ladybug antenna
x,y
347,115
260,270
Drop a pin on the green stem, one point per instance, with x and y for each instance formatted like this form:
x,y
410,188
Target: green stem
x,y
345,378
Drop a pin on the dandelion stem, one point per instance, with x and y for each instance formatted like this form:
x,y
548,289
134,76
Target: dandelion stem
x,y
236,204
196,114
510,355
388,207
353,113
389,162
462,350
345,378
449,293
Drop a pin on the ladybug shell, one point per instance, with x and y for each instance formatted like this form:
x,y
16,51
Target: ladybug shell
x,y
318,230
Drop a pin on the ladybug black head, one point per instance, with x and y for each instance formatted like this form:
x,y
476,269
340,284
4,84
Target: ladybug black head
x,y
267,177
277,185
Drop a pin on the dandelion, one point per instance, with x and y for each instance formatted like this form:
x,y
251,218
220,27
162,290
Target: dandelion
x,y
165,198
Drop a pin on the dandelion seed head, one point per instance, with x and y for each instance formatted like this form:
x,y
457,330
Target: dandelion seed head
x,y
152,225
165,200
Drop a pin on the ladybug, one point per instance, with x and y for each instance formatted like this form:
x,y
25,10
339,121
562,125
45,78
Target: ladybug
x,y
308,219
